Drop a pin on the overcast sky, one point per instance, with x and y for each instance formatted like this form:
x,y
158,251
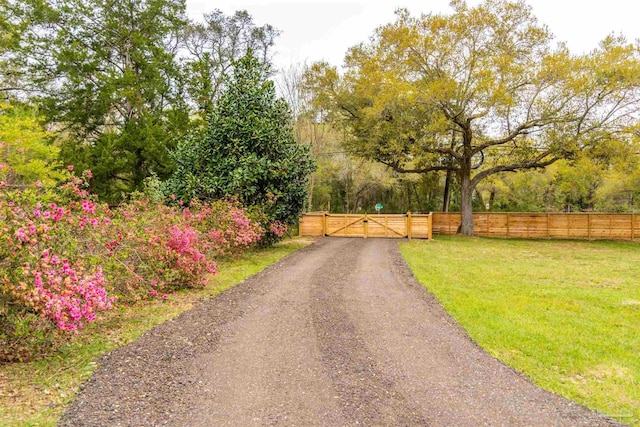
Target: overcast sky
x,y
315,30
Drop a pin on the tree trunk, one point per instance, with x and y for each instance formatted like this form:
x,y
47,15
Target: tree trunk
x,y
402,199
312,180
345,202
418,201
466,208
480,198
446,200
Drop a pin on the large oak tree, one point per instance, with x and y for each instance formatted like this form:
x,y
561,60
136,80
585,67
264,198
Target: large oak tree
x,y
479,92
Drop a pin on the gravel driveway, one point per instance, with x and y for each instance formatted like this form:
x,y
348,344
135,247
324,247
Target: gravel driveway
x,y
338,334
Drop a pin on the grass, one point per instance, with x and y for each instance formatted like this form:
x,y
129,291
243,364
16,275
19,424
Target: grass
x,y
565,313
36,393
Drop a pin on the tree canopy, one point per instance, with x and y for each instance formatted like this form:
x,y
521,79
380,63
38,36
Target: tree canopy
x,y
479,92
247,149
26,156
120,82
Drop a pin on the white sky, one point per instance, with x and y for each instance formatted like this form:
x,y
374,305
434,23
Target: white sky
x,y
315,30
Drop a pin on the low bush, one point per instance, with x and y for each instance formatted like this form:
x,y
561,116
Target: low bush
x,y
65,257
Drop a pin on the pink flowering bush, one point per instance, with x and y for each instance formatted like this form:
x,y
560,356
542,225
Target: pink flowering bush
x,y
157,249
43,281
278,228
65,258
229,228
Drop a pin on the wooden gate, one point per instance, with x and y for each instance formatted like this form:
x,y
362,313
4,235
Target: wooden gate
x,y
367,225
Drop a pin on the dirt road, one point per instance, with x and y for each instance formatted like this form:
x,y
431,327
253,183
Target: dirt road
x,y
338,334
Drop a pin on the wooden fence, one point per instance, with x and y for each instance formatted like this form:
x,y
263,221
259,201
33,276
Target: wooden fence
x,y
369,225
544,225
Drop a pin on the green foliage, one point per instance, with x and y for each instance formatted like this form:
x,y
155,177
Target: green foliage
x,y
13,24
247,150
604,181
564,313
119,80
26,156
110,83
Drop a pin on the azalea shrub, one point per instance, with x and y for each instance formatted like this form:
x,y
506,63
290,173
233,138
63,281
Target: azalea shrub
x,y
65,258
230,228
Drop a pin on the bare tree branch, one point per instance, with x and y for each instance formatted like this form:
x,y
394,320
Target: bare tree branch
x,y
540,161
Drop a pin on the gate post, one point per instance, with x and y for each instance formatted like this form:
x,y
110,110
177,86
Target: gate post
x,y
365,226
430,222
409,225
324,224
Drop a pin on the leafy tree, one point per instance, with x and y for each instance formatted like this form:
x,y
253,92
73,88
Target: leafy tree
x,y
604,179
26,156
118,81
479,92
11,27
247,149
110,84
576,183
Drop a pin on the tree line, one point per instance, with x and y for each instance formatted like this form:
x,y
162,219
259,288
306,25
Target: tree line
x,y
475,109
145,98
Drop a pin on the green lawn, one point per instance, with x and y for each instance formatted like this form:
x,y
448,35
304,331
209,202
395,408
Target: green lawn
x,y
566,313
35,394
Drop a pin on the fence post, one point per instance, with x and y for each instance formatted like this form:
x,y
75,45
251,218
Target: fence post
x,y
365,226
610,226
324,224
548,230
409,225
430,226
589,226
508,215
633,226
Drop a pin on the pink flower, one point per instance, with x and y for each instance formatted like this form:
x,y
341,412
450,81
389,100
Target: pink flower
x,y
38,184
70,167
89,206
21,235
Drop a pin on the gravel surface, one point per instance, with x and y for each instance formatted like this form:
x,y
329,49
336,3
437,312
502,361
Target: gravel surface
x,y
338,334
